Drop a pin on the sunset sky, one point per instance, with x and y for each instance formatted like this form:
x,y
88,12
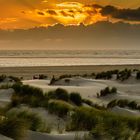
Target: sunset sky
x,y
24,14
69,24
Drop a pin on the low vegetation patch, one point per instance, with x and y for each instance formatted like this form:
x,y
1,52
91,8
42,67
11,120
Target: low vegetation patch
x,y
58,107
9,78
124,75
59,94
138,75
76,98
121,75
124,103
25,94
31,119
107,91
106,75
13,128
103,124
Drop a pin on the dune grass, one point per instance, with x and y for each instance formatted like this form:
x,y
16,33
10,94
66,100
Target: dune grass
x,y
33,120
100,122
124,103
58,107
13,127
35,97
105,124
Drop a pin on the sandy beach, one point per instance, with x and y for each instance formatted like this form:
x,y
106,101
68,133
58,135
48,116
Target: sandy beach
x,y
28,72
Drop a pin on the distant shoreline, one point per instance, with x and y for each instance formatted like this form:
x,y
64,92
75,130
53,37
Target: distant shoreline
x,y
28,72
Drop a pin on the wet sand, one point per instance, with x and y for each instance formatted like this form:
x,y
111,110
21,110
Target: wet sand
x,y
28,72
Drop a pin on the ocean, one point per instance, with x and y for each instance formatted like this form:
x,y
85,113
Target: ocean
x,y
19,58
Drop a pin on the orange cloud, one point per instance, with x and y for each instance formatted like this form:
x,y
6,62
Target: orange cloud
x,y
34,13
71,13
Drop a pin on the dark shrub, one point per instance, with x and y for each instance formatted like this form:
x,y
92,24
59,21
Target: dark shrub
x,y
122,103
67,81
2,78
59,93
62,94
132,105
17,87
107,91
88,102
15,79
113,90
53,80
124,74
76,98
106,75
65,76
42,76
138,75
112,104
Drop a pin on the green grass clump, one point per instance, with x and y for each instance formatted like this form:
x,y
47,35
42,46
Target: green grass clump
x,y
33,120
58,107
76,98
29,95
107,91
13,127
59,94
124,103
27,90
104,124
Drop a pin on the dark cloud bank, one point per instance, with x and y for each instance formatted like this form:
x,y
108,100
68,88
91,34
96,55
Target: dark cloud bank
x,y
102,35
125,14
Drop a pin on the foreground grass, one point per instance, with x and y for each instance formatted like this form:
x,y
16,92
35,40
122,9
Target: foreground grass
x,y
33,120
13,127
15,122
103,124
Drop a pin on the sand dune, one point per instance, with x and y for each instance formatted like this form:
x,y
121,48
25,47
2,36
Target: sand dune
x,y
84,87
88,88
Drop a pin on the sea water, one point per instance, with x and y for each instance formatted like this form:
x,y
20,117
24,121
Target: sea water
x,y
19,58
